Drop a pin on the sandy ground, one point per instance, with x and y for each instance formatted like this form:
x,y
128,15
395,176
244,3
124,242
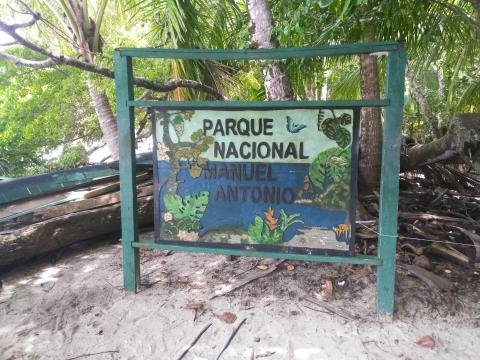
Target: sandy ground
x,y
72,305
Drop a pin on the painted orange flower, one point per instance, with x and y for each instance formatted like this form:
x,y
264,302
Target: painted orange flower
x,y
271,221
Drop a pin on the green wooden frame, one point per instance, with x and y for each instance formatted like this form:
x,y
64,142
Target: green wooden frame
x,y
393,104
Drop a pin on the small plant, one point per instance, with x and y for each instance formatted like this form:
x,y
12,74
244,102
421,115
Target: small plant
x,y
287,221
270,230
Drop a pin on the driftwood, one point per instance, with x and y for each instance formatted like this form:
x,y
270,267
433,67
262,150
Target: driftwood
x,y
449,253
53,234
461,140
432,280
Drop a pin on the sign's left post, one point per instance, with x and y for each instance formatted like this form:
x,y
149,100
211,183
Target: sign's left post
x,y
128,194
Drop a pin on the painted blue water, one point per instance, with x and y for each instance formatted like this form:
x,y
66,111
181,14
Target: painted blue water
x,y
239,214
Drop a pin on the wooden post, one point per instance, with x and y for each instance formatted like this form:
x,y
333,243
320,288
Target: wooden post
x,y
387,240
128,195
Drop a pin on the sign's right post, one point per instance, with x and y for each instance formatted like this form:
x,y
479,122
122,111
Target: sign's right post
x,y
387,240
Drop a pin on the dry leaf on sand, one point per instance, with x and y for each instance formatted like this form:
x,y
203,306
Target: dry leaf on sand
x,y
426,341
194,306
227,317
326,292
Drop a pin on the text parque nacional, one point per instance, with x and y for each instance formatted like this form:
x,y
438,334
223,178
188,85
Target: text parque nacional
x,y
247,149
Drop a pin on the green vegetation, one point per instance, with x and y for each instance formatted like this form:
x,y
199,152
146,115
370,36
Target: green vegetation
x,y
45,107
73,156
40,111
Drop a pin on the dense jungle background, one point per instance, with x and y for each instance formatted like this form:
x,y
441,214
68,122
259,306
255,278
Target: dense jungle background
x,y
56,67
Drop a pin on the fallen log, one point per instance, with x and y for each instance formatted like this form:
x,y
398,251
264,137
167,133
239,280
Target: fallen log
x,y
43,237
461,141
71,207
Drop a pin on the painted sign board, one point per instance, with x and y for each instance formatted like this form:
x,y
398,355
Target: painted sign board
x,y
267,179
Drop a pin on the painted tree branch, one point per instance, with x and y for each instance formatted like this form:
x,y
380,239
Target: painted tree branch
x,y
54,60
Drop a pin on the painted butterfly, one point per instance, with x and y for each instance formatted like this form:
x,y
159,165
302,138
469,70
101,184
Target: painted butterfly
x,y
292,127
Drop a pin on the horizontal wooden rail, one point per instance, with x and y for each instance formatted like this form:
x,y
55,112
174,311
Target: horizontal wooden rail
x,y
337,104
265,54
358,259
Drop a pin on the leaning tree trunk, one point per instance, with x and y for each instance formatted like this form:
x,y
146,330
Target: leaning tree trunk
x,y
461,143
108,122
370,124
276,82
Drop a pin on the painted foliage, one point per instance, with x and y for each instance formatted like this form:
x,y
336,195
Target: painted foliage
x,y
256,177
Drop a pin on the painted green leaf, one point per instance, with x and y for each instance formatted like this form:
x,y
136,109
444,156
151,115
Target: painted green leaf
x,y
345,119
343,137
338,167
255,230
331,164
177,119
195,204
330,127
288,220
276,236
173,203
192,206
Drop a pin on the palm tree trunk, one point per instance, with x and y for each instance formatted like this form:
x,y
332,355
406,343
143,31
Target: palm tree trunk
x,y
370,124
419,93
108,121
275,80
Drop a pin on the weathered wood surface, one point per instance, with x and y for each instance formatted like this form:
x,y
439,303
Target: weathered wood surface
x,y
69,208
112,187
55,233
